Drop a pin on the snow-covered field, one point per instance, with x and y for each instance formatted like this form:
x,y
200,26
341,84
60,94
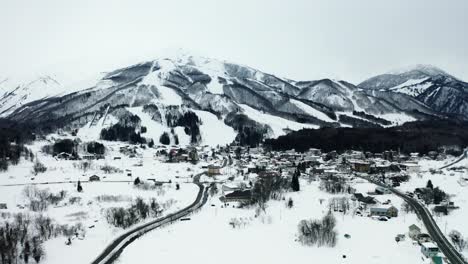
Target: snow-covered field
x,y
62,175
271,237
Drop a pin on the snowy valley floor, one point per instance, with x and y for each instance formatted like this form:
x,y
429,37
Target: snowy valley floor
x,y
271,238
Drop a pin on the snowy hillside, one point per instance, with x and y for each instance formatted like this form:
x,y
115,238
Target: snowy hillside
x,y
433,87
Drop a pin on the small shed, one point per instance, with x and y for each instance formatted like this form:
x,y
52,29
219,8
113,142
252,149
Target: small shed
x,y
390,211
214,170
414,231
94,178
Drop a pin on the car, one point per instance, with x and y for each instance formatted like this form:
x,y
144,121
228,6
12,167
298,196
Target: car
x,y
383,218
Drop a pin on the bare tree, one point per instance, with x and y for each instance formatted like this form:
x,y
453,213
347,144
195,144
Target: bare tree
x,y
457,240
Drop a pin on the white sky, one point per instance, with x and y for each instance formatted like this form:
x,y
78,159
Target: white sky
x,y
297,39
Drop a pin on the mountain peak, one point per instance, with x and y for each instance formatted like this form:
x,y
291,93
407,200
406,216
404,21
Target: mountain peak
x,y
421,69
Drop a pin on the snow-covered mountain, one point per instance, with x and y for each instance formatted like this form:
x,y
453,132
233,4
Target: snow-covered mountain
x,y
430,85
14,94
230,100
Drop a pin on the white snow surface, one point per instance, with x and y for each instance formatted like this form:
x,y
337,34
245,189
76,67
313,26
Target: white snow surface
x,y
271,237
213,130
312,111
276,123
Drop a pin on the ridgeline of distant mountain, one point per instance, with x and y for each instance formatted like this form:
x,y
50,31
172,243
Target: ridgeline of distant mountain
x,y
251,102
431,86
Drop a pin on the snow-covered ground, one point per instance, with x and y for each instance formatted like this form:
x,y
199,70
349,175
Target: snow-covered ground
x,y
271,237
90,211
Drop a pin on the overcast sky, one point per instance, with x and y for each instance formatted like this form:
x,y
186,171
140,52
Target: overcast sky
x,y
302,39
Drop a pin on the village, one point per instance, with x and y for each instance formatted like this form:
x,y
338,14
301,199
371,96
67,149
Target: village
x,y
353,183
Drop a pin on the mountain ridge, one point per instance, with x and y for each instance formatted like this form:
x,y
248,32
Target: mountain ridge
x,y
274,105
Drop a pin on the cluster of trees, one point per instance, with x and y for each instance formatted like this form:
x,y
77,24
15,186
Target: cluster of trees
x,y
22,238
138,211
270,187
153,111
458,240
249,132
165,139
65,146
40,199
190,121
334,184
110,169
372,118
318,232
38,167
339,204
421,136
120,132
95,148
433,195
13,136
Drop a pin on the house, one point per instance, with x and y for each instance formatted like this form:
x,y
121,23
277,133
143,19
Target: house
x,y
94,178
214,170
3,206
429,249
423,238
237,196
410,167
414,231
64,156
391,211
364,199
382,190
360,166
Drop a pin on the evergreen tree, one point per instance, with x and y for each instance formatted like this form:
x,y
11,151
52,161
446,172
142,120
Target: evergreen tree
x,y
137,181
295,182
429,185
164,139
79,188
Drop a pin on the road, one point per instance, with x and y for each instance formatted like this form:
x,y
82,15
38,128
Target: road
x,y
464,156
59,182
434,231
112,251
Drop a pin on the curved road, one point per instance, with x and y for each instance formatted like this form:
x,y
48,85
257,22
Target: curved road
x,y
112,251
464,156
423,213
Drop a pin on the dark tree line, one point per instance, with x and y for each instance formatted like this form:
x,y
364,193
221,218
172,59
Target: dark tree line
x,y
191,123
65,146
95,148
372,118
421,136
22,237
138,211
13,136
249,132
120,132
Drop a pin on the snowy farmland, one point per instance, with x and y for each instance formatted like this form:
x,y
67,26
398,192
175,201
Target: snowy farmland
x,y
271,236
